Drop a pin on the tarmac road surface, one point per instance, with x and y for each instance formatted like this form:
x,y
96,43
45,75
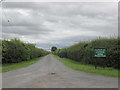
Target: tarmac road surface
x,y
50,73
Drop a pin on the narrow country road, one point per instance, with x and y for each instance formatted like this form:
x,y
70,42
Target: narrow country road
x,y
50,73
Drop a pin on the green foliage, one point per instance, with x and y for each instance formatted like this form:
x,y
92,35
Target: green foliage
x,y
53,48
0,52
83,52
8,67
14,51
90,68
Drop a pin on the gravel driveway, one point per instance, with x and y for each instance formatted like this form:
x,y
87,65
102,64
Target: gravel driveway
x,y
50,73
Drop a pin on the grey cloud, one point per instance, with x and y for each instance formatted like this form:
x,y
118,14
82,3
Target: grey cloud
x,y
20,5
42,21
26,30
67,42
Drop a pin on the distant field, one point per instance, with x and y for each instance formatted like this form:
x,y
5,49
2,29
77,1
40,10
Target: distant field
x,y
89,68
9,67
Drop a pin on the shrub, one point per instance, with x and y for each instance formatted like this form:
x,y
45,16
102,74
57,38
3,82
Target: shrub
x,y
83,52
14,51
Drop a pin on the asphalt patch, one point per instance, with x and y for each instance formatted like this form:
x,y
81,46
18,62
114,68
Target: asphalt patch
x,y
52,73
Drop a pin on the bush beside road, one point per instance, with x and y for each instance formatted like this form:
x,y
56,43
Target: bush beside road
x,y
83,52
9,67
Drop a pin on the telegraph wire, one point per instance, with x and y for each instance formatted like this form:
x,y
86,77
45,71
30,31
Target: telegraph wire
x,y
6,17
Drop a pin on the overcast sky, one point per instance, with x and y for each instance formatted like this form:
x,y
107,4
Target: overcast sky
x,y
59,24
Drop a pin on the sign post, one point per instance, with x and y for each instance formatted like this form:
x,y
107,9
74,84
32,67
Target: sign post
x,y
99,53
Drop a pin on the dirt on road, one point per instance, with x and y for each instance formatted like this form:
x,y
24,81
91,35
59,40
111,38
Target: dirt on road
x,y
50,73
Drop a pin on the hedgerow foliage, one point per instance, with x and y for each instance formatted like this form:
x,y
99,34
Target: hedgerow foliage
x,y
14,51
83,52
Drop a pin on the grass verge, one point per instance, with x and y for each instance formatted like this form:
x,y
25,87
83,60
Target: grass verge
x,y
55,56
89,68
14,66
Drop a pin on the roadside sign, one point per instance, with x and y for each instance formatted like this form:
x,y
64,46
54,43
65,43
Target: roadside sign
x,y
100,52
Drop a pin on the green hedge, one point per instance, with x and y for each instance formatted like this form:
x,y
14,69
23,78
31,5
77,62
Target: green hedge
x,y
14,51
83,52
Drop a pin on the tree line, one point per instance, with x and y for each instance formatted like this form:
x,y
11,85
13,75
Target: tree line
x,y
14,51
83,52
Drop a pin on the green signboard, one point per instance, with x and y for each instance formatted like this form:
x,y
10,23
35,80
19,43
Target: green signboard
x,y
100,52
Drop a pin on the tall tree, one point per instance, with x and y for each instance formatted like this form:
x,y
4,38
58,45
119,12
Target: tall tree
x,y
53,48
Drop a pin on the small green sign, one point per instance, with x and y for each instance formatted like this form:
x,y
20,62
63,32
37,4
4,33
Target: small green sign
x,y
100,52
